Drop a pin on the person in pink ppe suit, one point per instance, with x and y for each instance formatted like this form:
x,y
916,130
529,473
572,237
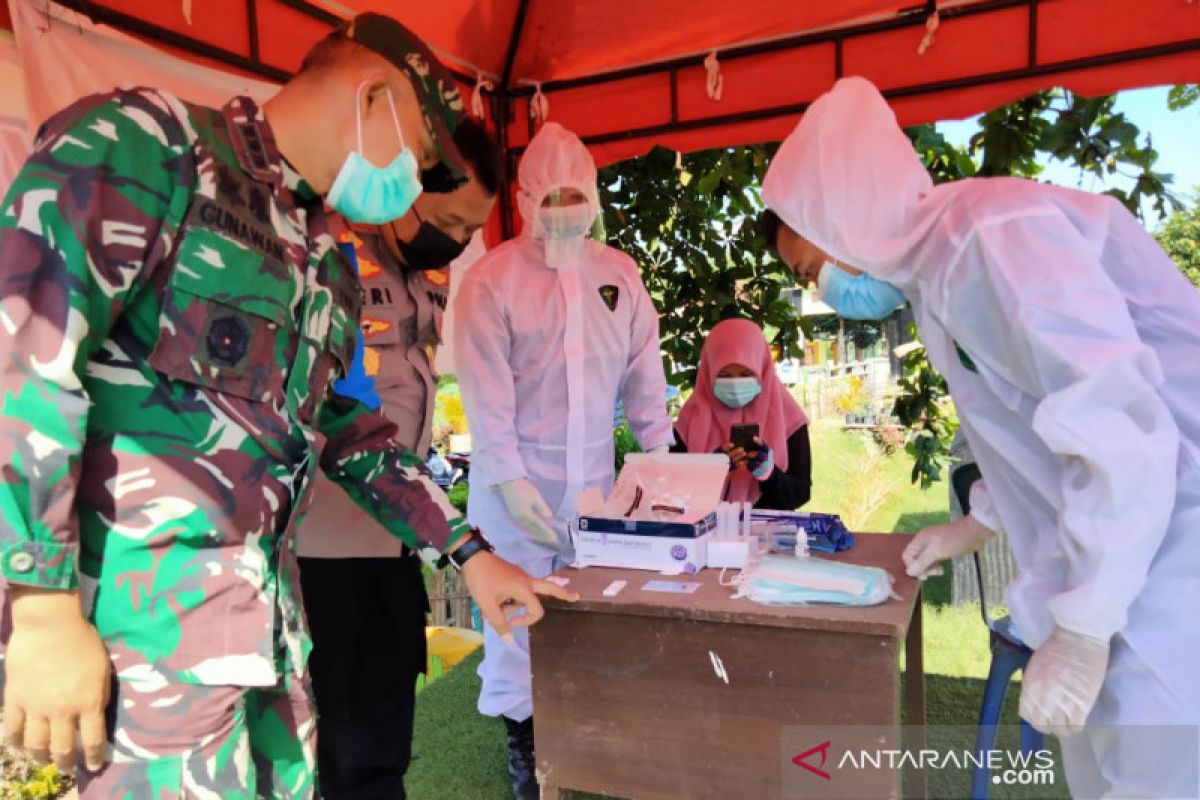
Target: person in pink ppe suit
x,y
1071,346
553,329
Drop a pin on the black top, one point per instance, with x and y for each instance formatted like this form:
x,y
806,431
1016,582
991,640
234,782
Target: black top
x,y
781,491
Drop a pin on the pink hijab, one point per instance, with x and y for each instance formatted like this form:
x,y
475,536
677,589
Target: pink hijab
x,y
705,421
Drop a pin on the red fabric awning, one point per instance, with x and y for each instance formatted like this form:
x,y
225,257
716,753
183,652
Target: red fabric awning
x,y
629,74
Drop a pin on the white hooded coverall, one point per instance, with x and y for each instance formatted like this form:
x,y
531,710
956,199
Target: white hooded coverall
x,y
544,347
1071,345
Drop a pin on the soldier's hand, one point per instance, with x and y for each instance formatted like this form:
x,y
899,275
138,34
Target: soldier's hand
x,y
57,680
506,594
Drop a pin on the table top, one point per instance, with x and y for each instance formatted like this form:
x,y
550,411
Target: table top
x,y
714,603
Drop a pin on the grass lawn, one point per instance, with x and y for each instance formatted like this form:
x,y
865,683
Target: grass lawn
x,y
459,755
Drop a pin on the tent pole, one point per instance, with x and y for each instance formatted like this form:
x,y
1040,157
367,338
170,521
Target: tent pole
x,y
514,41
502,109
252,27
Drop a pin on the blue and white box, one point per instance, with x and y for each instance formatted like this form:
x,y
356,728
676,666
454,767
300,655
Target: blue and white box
x,y
658,517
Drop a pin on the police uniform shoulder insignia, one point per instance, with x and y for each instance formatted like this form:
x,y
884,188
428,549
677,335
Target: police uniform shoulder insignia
x,y
610,294
373,326
367,268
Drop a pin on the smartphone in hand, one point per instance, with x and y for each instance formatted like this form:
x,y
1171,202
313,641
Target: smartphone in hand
x,y
743,436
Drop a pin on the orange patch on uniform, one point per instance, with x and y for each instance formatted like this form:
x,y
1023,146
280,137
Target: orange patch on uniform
x,y
438,277
351,237
366,267
373,326
370,361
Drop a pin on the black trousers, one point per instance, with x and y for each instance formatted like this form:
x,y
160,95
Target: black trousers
x,y
367,618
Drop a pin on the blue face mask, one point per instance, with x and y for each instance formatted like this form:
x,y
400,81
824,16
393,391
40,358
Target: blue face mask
x,y
791,581
363,192
736,392
857,296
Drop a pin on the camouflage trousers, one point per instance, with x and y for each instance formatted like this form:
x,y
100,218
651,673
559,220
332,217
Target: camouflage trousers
x,y
174,740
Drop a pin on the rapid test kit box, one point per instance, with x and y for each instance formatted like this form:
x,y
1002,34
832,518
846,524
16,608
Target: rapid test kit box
x,y
659,516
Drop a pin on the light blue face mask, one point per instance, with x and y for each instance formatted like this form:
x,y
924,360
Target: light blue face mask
x,y
363,192
791,581
857,296
736,392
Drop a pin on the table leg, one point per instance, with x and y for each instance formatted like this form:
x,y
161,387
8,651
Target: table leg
x,y
914,699
553,792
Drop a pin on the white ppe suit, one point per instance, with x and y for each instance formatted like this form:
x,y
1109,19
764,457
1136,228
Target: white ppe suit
x,y
1071,345
545,345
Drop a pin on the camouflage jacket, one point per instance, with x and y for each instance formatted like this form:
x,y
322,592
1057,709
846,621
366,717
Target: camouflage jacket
x,y
172,311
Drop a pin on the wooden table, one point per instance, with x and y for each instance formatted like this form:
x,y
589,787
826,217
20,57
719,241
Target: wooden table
x,y
629,700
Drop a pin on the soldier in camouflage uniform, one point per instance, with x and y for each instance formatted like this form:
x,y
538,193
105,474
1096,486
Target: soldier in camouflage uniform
x,y
172,312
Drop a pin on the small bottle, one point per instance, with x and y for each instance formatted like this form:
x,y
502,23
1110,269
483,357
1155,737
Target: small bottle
x,y
801,543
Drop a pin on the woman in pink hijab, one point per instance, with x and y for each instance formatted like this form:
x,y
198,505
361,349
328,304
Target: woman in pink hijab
x,y
737,385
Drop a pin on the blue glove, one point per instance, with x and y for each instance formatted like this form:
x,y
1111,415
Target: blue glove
x,y
762,464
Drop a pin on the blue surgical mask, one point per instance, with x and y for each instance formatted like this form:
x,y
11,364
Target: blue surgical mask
x,y
736,392
363,192
857,296
792,581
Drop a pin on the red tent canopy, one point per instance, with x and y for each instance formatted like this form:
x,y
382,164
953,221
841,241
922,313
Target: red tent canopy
x,y
628,74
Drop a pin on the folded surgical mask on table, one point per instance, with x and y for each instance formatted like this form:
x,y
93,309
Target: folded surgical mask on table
x,y
791,581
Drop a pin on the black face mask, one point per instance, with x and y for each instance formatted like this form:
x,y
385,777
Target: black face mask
x,y
430,248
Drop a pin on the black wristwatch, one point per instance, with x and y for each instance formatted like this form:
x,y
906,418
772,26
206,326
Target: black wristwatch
x,y
475,543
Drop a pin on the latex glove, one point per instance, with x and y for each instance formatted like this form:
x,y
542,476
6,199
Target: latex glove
x,y
1062,682
506,594
527,508
924,554
57,680
762,463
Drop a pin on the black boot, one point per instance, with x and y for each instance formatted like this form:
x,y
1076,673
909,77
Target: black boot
x,y
521,763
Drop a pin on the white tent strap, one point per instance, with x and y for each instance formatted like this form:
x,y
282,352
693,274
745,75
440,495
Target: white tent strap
x,y
481,85
539,106
714,81
931,26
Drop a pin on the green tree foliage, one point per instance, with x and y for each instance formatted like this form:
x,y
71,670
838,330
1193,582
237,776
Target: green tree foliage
x,y
1180,237
1181,97
691,224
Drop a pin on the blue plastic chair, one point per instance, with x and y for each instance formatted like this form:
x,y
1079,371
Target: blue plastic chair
x,y
1009,654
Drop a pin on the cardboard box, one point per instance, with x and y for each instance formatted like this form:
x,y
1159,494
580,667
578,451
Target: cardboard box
x,y
658,517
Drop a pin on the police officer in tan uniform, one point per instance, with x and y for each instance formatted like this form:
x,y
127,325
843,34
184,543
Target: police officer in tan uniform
x,y
363,590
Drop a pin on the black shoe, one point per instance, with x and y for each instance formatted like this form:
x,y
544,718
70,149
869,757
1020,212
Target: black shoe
x,y
522,766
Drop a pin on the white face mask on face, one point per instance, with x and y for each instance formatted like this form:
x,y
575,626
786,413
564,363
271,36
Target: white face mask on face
x,y
566,222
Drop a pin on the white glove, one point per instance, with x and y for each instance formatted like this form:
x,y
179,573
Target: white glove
x,y
1062,682
527,508
924,554
662,448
